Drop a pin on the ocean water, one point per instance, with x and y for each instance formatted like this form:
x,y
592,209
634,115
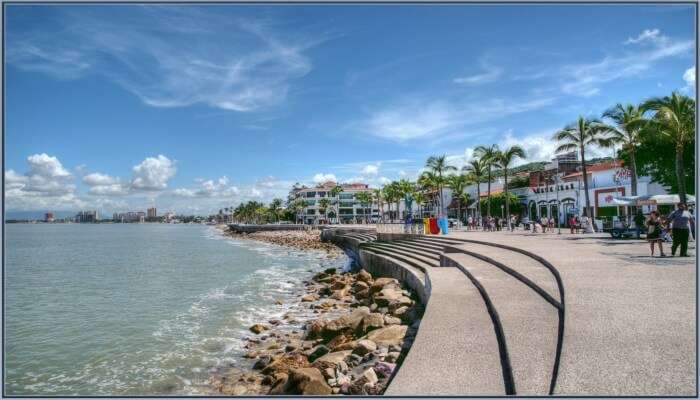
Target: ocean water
x,y
137,309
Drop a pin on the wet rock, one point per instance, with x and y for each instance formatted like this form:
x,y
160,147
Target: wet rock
x,y
364,347
308,298
262,362
258,328
329,271
251,354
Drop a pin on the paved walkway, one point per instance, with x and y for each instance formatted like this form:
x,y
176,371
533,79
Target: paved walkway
x,y
630,318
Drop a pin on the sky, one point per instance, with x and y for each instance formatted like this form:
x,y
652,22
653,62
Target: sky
x,y
194,108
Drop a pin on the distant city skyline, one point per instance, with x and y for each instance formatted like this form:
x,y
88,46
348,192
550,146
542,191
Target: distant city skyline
x,y
194,108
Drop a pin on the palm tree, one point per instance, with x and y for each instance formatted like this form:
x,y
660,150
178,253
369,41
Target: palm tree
x,y
488,156
577,136
457,183
323,206
365,199
505,159
406,190
674,117
298,206
420,199
430,182
629,122
275,206
335,193
475,170
377,194
438,165
464,198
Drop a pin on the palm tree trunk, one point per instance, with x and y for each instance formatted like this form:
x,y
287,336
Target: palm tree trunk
x,y
680,177
633,167
478,198
488,198
505,191
584,170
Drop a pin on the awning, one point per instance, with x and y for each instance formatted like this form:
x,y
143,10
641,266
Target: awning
x,y
658,199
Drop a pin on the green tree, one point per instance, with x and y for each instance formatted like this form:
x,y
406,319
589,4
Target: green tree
x,y
365,199
578,136
378,197
498,200
458,183
323,206
674,118
438,165
335,194
489,157
475,169
430,182
505,159
629,122
276,208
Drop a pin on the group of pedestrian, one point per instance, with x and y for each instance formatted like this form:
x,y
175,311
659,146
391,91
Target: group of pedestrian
x,y
679,225
491,223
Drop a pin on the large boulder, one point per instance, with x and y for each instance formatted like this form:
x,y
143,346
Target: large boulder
x,y
285,363
333,358
307,381
258,328
364,347
371,322
364,276
387,336
279,383
380,283
346,322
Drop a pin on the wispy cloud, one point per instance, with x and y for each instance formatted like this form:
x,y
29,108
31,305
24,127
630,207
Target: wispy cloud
x,y
490,74
426,119
171,56
648,35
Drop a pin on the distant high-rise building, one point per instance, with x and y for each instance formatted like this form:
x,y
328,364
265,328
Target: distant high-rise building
x,y
152,212
87,216
48,217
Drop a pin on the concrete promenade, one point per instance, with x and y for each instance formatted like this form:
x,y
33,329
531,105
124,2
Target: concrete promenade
x,y
630,318
495,316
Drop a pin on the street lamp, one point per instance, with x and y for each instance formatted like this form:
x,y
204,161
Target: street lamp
x,y
556,182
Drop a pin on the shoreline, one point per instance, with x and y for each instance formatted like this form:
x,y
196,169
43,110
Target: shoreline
x,y
357,336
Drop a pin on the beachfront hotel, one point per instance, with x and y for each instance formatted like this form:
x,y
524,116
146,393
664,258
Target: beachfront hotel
x,y
346,205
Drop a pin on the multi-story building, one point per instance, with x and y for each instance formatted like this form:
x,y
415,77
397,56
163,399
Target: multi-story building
x,y
345,208
87,216
151,212
130,216
48,217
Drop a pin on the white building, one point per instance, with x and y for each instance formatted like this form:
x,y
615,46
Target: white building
x,y
346,205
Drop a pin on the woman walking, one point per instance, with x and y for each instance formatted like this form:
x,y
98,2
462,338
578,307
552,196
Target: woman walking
x,y
654,233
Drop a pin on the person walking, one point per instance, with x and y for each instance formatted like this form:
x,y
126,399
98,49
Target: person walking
x,y
654,228
572,223
544,223
680,221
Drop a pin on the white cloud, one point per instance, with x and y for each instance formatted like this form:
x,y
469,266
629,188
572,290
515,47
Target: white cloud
x,y
370,170
209,188
153,173
46,184
98,179
321,178
114,189
689,77
418,119
491,74
222,62
585,79
648,35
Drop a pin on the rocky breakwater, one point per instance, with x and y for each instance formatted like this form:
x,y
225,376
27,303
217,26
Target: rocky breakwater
x,y
364,331
302,240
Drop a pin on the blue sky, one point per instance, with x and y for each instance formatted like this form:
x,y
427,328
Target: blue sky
x,y
193,108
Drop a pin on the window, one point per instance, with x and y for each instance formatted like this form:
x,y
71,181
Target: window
x,y
310,203
346,196
311,212
321,194
346,203
346,211
310,194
